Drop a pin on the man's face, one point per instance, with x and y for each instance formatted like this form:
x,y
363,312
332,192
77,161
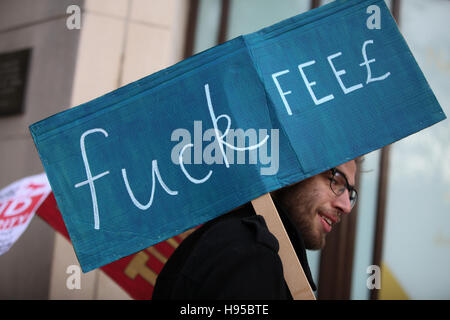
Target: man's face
x,y
312,205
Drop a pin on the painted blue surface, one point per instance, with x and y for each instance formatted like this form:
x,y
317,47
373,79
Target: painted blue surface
x,y
304,82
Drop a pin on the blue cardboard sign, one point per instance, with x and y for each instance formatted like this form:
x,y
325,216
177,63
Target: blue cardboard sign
x,y
257,113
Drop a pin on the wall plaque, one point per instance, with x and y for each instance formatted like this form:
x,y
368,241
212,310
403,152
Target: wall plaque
x,y
13,81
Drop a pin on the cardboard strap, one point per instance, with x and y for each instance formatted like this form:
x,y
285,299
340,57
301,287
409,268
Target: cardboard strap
x,y
293,272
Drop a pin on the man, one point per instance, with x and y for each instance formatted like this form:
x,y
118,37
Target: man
x,y
236,257
313,208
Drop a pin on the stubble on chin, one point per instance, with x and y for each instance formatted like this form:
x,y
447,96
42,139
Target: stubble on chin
x,y
300,202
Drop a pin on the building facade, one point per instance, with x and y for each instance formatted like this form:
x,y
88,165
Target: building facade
x,y
79,50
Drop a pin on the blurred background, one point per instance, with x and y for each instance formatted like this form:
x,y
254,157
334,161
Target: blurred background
x,y
400,221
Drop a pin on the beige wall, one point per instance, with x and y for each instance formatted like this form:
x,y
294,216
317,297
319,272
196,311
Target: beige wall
x,y
121,41
40,25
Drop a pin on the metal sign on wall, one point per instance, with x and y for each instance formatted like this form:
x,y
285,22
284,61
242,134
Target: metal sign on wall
x,y
255,114
13,81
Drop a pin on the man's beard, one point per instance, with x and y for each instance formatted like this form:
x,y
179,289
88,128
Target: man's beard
x,y
305,222
299,203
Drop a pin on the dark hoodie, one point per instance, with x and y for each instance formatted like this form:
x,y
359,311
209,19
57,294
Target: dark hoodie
x,y
231,257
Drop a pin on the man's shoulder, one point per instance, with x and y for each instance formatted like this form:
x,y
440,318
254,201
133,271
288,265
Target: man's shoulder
x,y
233,255
229,242
239,231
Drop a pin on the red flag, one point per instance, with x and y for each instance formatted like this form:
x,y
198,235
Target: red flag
x,y
136,273
18,203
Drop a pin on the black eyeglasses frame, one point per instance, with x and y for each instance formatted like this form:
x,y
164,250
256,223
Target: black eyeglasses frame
x,y
353,193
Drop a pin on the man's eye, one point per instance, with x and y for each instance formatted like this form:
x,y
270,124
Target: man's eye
x,y
339,180
336,183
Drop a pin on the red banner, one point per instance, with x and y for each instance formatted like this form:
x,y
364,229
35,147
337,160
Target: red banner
x,y
18,203
136,273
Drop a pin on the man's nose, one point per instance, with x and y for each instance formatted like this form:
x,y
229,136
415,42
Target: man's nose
x,y
342,202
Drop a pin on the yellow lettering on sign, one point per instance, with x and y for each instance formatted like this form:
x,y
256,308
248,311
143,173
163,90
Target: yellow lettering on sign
x,y
172,242
138,266
157,254
185,234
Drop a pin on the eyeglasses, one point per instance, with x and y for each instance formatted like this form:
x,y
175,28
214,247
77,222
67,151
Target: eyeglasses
x,y
339,183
